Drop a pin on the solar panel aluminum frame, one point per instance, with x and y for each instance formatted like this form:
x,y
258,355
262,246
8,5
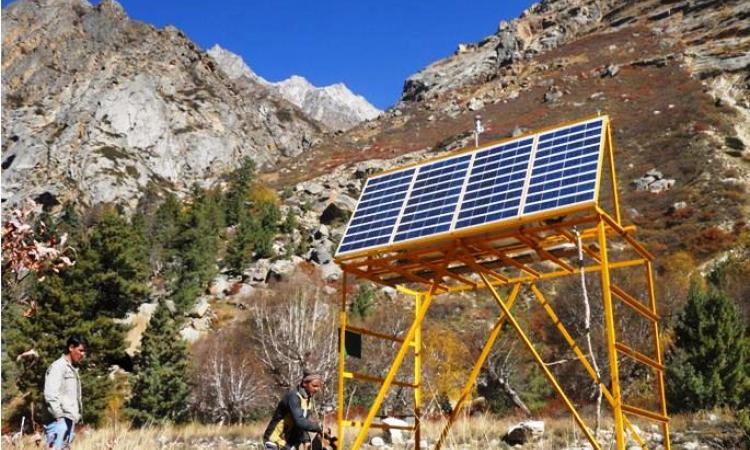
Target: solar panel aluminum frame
x,y
481,228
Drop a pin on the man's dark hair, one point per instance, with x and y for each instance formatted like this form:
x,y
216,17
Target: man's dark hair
x,y
75,340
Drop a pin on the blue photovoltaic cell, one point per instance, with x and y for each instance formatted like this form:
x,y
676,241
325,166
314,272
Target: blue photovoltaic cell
x,y
433,198
565,167
495,184
535,173
377,211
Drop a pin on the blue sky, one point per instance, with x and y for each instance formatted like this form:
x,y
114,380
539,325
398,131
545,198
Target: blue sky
x,y
370,45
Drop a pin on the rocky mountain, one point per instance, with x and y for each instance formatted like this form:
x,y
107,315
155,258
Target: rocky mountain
x,y
673,76
100,108
335,106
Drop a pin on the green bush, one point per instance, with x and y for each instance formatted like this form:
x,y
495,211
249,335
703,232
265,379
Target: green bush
x,y
708,367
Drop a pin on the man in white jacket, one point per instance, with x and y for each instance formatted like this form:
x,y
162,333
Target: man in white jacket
x,y
62,392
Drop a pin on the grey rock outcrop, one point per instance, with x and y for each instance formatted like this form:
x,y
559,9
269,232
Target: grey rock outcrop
x,y
233,65
97,107
653,181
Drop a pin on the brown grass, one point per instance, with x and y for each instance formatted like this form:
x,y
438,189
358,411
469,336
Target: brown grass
x,y
471,433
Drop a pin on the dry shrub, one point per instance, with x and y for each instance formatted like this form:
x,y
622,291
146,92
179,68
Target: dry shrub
x,y
263,194
711,240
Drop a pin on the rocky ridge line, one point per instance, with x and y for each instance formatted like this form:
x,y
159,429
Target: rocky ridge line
x,y
335,106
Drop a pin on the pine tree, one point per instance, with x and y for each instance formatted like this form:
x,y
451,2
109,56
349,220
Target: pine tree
x,y
238,194
159,388
117,266
107,281
240,249
197,245
709,366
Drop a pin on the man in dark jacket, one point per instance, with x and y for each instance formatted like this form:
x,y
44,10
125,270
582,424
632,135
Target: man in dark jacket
x,y
290,425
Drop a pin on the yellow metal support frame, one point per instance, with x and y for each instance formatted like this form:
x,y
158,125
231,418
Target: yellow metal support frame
x,y
527,254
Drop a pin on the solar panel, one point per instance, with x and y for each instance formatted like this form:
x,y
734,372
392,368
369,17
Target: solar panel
x,y
528,175
433,198
377,211
495,184
566,166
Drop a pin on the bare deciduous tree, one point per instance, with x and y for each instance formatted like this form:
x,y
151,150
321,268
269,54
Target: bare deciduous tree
x,y
228,381
294,328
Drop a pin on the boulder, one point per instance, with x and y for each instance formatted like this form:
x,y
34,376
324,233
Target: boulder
x,y
201,307
321,254
377,441
660,186
280,269
653,181
245,290
366,168
190,334
392,435
527,431
314,188
170,306
202,324
219,286
321,232
475,104
553,94
330,272
611,70
679,205
390,292
148,309
341,208
258,272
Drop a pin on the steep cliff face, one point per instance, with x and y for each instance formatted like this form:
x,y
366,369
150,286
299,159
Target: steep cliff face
x,y
335,106
98,107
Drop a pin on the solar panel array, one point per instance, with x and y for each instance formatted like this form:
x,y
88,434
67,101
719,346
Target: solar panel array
x,y
534,173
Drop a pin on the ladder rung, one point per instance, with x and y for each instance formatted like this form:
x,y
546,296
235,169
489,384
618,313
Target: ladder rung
x,y
634,304
374,334
365,377
382,426
638,356
645,413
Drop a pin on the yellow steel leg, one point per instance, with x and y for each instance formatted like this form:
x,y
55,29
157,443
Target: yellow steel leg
x,y
478,366
550,377
612,176
582,357
659,373
342,356
611,338
394,368
417,375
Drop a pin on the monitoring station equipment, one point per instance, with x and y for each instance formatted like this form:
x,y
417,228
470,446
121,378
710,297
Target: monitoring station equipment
x,y
507,216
